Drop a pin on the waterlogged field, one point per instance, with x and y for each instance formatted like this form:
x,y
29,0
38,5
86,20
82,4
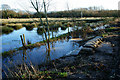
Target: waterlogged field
x,y
12,40
75,35
13,28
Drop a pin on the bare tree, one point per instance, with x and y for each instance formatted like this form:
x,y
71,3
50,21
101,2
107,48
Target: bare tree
x,y
37,7
47,24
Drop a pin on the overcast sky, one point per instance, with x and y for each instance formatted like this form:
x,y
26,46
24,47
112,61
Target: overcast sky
x,y
58,5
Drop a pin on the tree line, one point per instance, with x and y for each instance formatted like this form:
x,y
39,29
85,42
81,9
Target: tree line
x,y
61,14
85,13
12,14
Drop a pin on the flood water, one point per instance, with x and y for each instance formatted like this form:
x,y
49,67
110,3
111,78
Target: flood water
x,y
40,55
12,40
37,55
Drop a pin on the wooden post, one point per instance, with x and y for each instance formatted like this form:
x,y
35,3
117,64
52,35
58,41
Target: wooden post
x,y
48,40
24,54
24,39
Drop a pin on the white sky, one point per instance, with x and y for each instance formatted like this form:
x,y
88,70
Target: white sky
x,y
58,5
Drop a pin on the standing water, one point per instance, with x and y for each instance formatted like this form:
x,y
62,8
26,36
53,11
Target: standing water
x,y
41,55
12,40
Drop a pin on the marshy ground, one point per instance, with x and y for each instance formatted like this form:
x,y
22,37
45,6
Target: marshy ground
x,y
103,64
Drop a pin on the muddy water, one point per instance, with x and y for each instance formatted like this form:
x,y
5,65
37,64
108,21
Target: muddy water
x,y
12,40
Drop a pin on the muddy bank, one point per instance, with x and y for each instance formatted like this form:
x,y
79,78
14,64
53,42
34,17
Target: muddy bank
x,y
103,64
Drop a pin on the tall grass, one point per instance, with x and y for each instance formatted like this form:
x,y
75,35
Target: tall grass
x,y
25,71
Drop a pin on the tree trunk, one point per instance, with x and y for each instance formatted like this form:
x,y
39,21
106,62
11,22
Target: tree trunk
x,y
48,41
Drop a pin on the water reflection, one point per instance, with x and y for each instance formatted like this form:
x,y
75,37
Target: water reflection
x,y
40,54
24,54
48,58
10,41
29,28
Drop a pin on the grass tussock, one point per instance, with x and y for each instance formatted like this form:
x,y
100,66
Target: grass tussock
x,y
6,30
4,24
29,26
15,26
